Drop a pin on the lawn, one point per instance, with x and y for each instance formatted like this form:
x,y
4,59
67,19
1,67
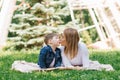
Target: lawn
x,y
105,57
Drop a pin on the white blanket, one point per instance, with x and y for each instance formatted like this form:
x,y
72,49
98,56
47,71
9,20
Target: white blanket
x,y
23,66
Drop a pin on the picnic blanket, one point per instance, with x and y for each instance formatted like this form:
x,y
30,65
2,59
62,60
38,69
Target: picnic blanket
x,y
25,67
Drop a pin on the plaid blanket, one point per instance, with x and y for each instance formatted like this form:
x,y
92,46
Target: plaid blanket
x,y
24,66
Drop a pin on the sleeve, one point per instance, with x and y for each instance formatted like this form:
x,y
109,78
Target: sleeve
x,y
59,60
41,60
85,56
65,60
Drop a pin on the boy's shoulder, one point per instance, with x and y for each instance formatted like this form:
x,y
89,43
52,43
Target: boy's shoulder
x,y
46,47
58,48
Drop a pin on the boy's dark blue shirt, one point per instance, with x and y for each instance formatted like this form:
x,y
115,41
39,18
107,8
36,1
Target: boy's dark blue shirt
x,y
47,55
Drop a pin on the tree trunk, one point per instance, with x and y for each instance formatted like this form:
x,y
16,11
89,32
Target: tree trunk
x,y
6,14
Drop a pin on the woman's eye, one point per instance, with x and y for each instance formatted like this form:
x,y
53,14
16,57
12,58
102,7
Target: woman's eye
x,y
60,37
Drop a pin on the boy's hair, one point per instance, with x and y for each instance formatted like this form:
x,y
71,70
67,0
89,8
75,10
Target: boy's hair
x,y
48,37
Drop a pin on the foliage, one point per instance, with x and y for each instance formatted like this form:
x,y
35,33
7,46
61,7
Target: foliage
x,y
85,37
94,35
35,18
31,23
104,57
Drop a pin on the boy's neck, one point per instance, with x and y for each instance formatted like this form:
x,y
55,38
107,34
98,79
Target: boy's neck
x,y
53,47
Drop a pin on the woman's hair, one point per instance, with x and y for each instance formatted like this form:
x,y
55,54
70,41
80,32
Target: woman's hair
x,y
72,38
48,37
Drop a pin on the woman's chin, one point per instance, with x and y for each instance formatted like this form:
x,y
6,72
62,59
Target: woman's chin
x,y
62,44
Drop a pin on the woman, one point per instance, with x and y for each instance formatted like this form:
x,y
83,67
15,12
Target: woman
x,y
73,53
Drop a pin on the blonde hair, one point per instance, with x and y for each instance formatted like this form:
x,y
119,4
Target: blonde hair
x,y
72,38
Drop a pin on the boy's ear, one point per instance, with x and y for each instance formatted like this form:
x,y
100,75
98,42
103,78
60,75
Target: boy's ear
x,y
49,41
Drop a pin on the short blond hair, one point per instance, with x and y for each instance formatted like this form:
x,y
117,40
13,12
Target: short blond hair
x,y
48,37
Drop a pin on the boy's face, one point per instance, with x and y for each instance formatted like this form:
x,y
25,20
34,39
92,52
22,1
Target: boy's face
x,y
55,41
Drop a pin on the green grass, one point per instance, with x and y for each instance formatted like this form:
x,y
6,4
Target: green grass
x,y
105,57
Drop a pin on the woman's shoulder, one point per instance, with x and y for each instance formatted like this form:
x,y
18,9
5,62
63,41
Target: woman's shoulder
x,y
81,44
83,48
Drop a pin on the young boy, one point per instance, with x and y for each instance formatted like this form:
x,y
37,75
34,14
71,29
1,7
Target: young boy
x,y
50,55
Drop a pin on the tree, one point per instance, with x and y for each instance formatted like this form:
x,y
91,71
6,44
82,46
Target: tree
x,y
31,23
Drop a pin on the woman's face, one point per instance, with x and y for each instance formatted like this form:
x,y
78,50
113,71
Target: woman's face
x,y
62,40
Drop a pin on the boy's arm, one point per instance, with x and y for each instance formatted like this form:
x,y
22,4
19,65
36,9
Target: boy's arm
x,y
59,60
42,56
